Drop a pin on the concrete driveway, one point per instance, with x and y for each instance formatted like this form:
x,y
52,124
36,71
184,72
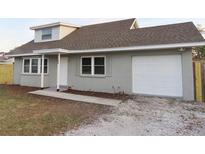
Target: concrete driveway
x,y
149,116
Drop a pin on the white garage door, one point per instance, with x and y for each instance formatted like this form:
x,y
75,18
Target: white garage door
x,y
157,75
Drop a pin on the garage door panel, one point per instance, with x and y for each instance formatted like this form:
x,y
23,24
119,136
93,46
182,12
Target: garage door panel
x,y
157,75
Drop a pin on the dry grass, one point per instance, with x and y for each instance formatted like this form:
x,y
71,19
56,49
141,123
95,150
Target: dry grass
x,y
25,114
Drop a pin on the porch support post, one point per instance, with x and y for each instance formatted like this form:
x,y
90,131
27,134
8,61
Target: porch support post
x,y
42,72
58,72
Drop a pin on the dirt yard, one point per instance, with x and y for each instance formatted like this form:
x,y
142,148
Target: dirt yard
x,y
149,116
25,114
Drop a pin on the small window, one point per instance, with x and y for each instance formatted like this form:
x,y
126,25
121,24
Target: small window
x,y
34,66
99,65
87,65
47,34
26,67
45,66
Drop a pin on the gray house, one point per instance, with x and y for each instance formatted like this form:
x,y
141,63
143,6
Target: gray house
x,y
110,57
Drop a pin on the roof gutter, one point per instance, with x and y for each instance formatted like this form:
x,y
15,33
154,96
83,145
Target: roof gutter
x,y
133,48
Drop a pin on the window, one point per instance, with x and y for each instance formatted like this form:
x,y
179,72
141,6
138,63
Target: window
x,y
46,34
26,67
99,65
33,65
87,65
93,65
45,65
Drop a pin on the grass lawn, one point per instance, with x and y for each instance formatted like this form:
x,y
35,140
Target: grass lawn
x,y
25,114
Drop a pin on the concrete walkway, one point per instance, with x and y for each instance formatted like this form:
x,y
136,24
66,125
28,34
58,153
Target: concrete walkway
x,y
80,98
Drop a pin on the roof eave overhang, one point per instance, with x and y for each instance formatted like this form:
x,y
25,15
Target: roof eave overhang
x,y
51,51
53,25
145,47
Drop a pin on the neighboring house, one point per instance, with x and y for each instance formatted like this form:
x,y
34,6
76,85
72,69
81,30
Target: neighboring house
x,y
110,57
4,59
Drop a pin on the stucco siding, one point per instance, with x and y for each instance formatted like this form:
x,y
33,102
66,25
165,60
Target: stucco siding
x,y
115,80
187,75
35,80
119,72
64,31
17,70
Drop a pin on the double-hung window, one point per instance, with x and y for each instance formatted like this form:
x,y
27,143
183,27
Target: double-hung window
x,y
26,66
87,65
45,66
33,65
46,34
99,65
93,65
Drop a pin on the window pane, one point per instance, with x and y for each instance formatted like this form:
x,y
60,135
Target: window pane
x,y
86,61
45,69
34,61
46,31
45,62
46,37
26,68
26,65
100,70
46,34
86,69
99,60
45,66
27,62
34,69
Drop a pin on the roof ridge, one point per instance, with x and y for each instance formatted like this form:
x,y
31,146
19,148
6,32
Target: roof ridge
x,y
109,22
164,25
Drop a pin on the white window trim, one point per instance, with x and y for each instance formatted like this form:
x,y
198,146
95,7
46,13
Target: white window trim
x,y
30,66
92,66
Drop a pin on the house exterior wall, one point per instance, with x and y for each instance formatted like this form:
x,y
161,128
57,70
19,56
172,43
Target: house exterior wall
x,y
118,72
64,31
58,32
35,80
55,35
17,70
187,75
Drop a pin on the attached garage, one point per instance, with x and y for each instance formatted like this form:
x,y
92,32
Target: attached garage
x,y
157,75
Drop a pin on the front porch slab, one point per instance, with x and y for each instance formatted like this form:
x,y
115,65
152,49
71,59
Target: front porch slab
x,y
80,98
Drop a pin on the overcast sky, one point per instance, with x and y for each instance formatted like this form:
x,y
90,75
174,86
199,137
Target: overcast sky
x,y
14,32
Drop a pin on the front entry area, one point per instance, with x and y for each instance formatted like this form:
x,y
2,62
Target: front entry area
x,y
157,75
64,71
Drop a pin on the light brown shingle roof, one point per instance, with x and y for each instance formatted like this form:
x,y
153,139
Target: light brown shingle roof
x,y
118,34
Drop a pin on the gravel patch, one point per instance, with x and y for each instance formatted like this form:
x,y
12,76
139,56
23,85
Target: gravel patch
x,y
148,116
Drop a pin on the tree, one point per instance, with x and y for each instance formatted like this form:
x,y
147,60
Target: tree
x,y
199,52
